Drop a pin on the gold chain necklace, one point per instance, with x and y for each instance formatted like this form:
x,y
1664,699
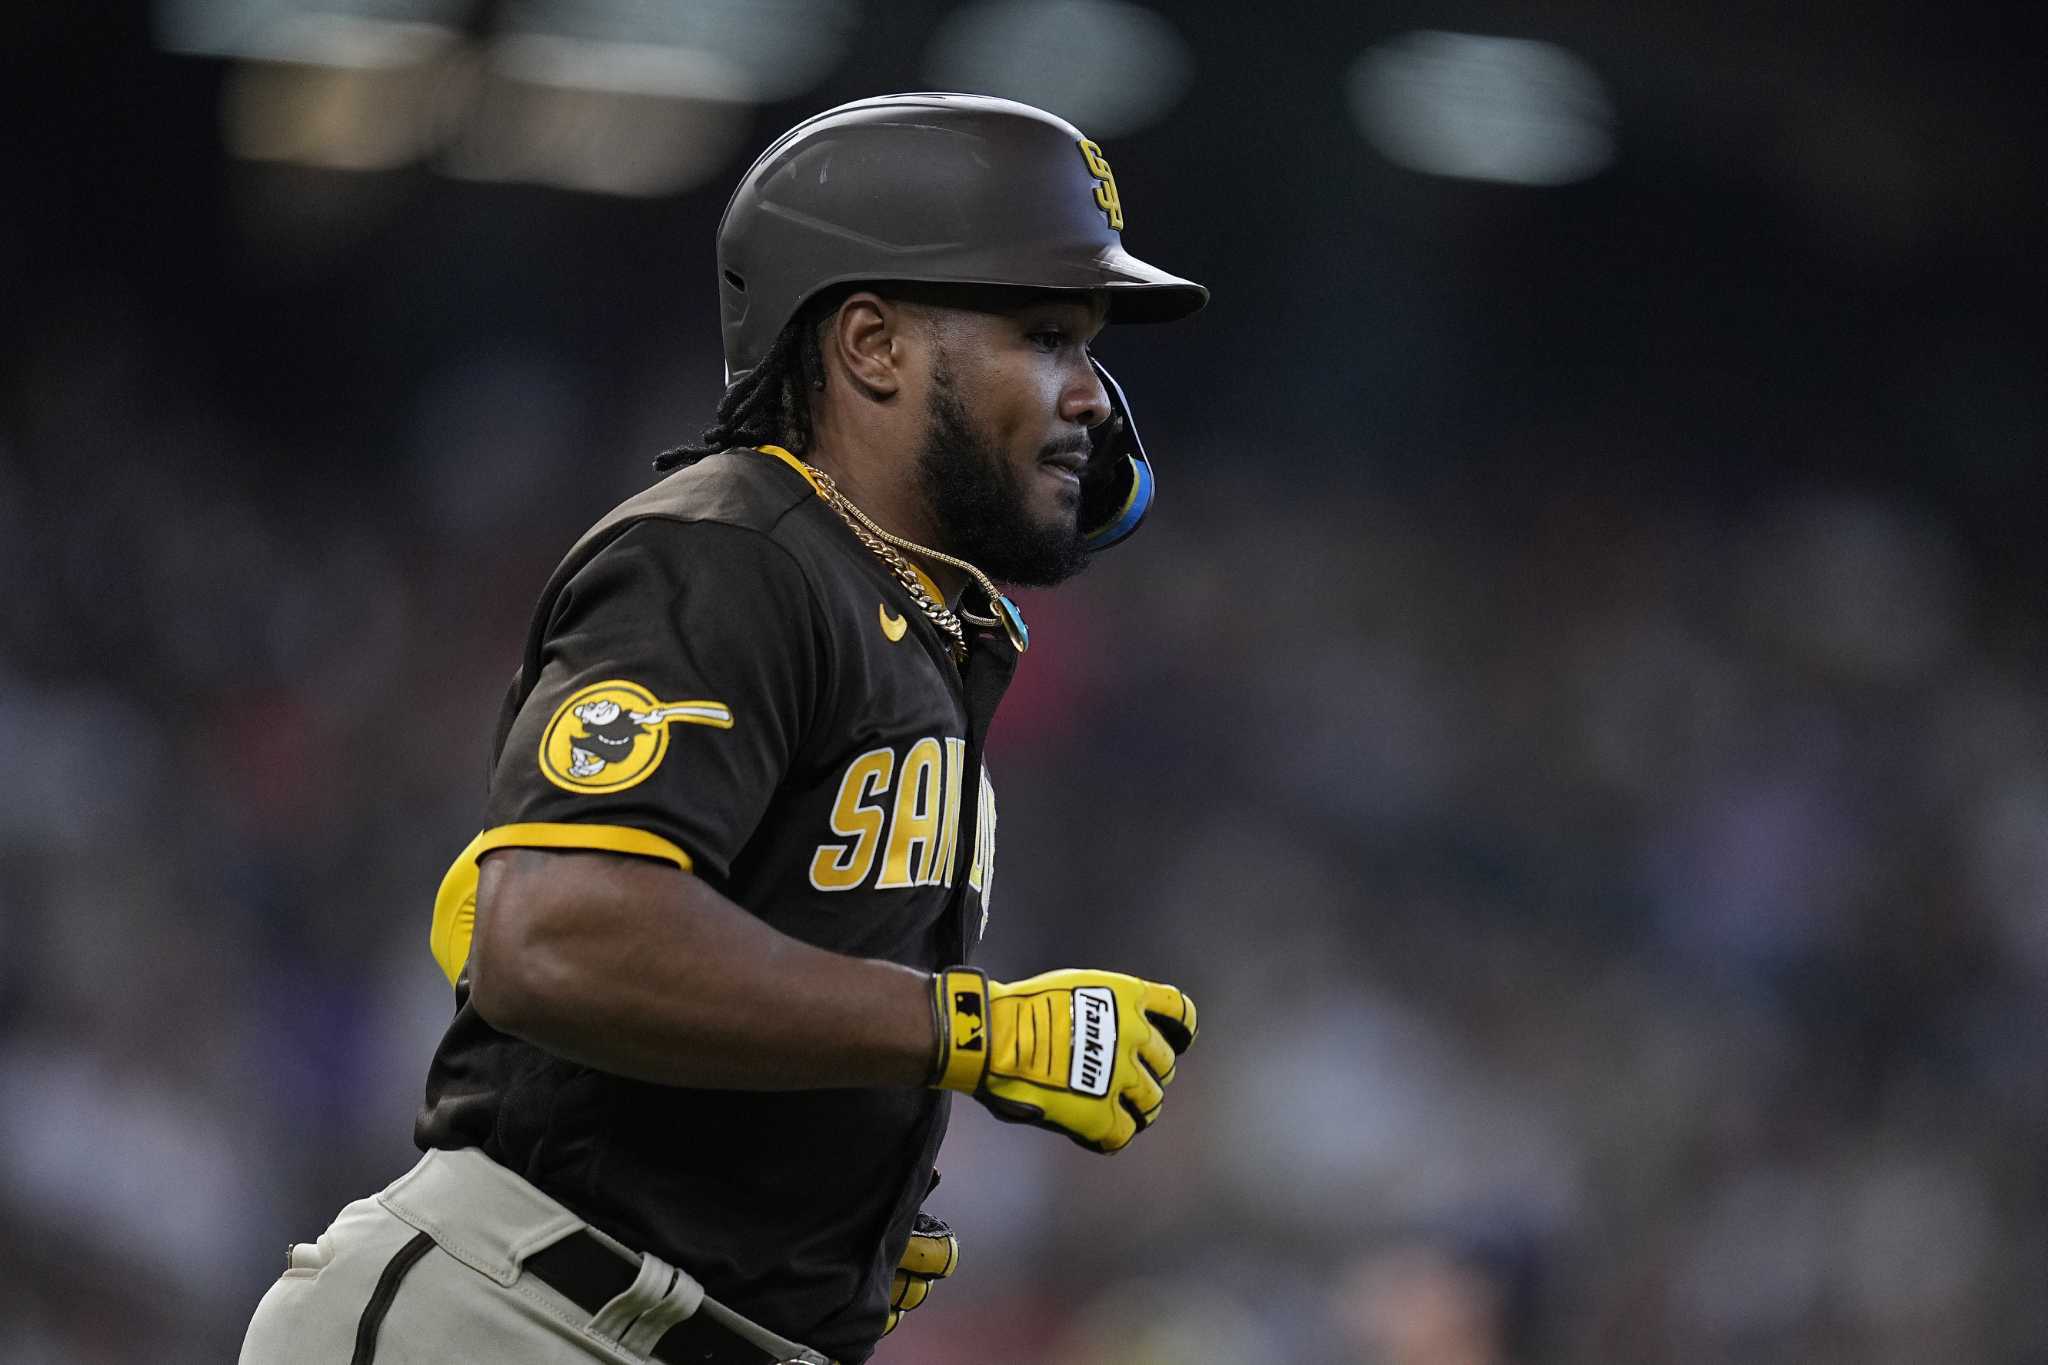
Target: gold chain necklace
x,y
887,547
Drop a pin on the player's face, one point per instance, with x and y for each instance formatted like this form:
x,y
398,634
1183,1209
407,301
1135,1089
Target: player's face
x,y
1013,398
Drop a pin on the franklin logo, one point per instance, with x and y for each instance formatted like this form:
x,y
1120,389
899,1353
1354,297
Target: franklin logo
x,y
1094,1040
966,1021
1106,197
611,735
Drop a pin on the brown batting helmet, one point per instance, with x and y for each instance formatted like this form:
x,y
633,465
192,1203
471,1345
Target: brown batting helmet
x,y
943,189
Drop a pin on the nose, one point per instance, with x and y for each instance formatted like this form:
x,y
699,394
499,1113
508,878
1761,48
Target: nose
x,y
1084,401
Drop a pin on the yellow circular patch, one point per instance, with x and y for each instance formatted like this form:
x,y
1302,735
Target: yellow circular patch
x,y
605,738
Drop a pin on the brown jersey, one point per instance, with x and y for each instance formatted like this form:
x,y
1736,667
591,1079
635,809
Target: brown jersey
x,y
721,676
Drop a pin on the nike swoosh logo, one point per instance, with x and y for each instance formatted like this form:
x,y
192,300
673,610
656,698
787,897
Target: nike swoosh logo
x,y
892,626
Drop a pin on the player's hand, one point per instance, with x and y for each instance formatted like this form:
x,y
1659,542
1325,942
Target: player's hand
x,y
933,1254
1084,1053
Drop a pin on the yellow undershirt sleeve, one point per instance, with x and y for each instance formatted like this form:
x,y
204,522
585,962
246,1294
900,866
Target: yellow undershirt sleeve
x,y
455,902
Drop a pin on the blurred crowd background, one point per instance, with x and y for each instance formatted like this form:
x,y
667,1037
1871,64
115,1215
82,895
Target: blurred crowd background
x,y
1574,720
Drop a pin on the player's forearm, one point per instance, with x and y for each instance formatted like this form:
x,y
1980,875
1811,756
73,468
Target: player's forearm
x,y
645,971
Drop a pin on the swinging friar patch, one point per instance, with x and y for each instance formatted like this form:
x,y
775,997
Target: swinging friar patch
x,y
610,735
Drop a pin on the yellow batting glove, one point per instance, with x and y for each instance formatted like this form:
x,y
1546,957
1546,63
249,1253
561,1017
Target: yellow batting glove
x,y
932,1254
1084,1053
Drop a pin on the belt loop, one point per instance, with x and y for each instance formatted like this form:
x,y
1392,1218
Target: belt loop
x,y
682,1299
659,1297
624,1308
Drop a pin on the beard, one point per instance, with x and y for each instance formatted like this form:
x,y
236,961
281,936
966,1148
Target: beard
x,y
978,503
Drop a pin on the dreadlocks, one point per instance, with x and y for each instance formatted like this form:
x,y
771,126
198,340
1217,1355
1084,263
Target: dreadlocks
x,y
771,403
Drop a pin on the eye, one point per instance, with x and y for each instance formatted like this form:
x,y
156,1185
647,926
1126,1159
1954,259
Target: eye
x,y
1048,338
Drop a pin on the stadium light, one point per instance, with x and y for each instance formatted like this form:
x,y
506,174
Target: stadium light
x,y
1108,66
606,96
1510,110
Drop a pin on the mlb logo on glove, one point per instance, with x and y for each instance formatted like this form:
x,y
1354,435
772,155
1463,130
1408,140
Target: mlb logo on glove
x,y
966,1021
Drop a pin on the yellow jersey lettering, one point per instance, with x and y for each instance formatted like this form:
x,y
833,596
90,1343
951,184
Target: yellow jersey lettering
x,y
914,831
899,822
842,867
949,831
1106,197
982,875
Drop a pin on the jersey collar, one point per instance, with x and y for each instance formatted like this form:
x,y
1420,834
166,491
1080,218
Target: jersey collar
x,y
798,465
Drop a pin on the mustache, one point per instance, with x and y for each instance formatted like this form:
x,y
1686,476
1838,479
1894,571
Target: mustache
x,y
1077,444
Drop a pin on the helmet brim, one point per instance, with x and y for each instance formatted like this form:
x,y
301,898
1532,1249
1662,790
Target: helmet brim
x,y
1141,292
1138,291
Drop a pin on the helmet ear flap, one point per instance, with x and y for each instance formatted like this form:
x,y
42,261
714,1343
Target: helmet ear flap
x,y
1117,492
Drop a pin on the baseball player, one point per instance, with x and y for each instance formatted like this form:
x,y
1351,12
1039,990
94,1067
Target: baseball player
x,y
710,953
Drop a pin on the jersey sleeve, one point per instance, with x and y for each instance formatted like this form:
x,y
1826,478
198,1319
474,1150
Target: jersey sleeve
x,y
679,673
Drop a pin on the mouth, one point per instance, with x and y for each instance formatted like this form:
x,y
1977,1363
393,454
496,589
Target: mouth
x,y
1067,463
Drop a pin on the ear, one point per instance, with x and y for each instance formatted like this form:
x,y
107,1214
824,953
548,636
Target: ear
x,y
870,339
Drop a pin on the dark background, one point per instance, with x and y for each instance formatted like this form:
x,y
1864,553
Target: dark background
x,y
1574,720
